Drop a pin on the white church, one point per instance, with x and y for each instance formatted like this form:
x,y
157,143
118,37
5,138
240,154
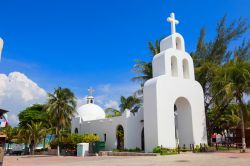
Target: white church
x,y
173,106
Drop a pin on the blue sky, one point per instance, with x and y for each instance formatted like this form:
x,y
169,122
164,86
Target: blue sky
x,y
79,43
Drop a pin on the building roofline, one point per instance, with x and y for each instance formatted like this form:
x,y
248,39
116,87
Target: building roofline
x,y
3,111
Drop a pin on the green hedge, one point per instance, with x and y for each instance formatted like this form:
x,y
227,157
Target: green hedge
x,y
70,141
165,151
128,150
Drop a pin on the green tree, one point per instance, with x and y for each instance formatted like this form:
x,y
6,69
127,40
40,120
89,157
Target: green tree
x,y
236,75
143,68
10,135
111,112
247,115
209,58
36,132
61,108
132,103
35,113
24,137
230,119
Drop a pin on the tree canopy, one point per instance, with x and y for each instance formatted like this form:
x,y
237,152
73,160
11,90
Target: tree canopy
x,y
35,113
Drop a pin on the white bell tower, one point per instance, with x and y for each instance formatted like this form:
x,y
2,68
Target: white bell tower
x,y
173,100
90,98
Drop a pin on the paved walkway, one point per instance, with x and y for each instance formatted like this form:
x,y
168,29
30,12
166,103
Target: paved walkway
x,y
188,159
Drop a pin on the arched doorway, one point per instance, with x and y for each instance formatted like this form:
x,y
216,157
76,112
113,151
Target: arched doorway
x,y
120,137
76,130
142,140
183,122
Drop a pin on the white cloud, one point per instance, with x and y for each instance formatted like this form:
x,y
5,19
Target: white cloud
x,y
17,92
112,104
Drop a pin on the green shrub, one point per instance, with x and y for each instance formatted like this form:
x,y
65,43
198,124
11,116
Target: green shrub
x,y
197,149
127,150
157,149
53,144
41,150
225,148
90,138
165,151
70,141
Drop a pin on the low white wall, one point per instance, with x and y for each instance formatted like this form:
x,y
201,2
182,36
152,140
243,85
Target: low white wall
x,y
132,125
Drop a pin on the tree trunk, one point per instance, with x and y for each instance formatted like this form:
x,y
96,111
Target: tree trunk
x,y
33,149
58,150
243,135
44,142
8,147
58,145
207,126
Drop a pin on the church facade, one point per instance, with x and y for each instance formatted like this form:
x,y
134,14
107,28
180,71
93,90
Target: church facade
x,y
173,106
125,131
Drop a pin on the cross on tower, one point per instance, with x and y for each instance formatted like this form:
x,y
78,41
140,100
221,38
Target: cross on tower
x,y
173,22
91,90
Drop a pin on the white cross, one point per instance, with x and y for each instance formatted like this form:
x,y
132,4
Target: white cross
x,y
91,90
173,22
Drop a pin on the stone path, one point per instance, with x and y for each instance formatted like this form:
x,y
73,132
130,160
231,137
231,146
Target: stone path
x,y
233,158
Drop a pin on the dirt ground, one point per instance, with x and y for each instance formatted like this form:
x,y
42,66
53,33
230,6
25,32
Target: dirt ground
x,y
233,158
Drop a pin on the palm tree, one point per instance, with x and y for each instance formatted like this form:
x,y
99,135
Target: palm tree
x,y
145,68
111,112
237,78
9,132
24,137
36,132
230,118
61,108
247,115
130,103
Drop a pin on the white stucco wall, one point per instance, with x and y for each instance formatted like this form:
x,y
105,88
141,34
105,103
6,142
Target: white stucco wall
x,y
161,94
132,125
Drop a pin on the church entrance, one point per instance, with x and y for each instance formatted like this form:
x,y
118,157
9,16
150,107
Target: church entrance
x,y
183,122
120,137
142,140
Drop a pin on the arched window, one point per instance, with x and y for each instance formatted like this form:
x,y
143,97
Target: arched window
x,y
142,140
174,67
185,68
76,130
104,137
178,43
120,137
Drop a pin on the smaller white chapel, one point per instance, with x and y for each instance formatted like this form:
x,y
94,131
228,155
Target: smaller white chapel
x,y
91,119
173,106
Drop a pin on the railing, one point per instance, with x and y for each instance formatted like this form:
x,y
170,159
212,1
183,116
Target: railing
x,y
192,148
205,148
